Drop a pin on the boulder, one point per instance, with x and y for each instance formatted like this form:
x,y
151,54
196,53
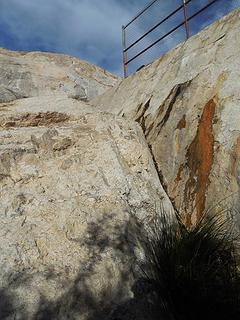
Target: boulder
x,y
31,74
187,103
77,178
73,184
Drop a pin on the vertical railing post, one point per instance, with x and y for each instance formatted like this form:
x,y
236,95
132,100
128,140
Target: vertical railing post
x,y
124,54
186,18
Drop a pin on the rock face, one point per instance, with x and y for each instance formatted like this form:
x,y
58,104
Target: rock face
x,y
188,103
30,74
72,182
75,177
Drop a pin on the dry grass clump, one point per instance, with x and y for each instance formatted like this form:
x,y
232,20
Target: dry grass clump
x,y
194,270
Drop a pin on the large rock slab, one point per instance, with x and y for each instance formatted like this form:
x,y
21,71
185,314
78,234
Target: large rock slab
x,y
29,74
73,181
188,103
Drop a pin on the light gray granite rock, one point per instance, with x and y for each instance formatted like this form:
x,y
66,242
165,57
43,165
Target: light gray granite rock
x,y
72,182
30,74
188,103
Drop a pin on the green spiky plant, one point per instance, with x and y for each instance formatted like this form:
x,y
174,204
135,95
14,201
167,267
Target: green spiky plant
x,y
194,270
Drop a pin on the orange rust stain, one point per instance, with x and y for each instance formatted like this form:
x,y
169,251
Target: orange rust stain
x,y
178,178
235,156
199,160
182,123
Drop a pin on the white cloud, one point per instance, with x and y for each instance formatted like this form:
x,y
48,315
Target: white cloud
x,y
87,29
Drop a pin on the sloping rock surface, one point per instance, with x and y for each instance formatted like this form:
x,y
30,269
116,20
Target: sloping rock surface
x,y
188,103
76,177
73,181
30,74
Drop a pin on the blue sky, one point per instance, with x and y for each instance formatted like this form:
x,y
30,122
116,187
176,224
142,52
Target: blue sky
x,y
91,29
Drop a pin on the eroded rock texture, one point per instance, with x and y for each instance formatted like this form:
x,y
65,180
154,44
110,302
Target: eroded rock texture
x,y
73,181
29,74
188,103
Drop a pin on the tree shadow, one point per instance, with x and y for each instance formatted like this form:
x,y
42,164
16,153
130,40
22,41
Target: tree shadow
x,y
78,300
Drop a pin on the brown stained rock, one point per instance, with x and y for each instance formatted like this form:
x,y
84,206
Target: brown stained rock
x,y
200,160
34,120
167,107
182,123
141,118
235,157
178,178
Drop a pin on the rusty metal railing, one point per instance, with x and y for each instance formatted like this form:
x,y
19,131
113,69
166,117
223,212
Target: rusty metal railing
x,y
185,22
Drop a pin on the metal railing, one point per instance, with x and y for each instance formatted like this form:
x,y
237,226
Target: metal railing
x,y
183,7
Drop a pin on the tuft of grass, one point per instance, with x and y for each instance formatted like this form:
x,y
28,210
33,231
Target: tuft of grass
x,y
194,270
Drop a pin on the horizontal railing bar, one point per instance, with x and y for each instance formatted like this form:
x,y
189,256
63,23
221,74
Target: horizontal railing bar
x,y
199,11
167,34
140,13
157,25
151,45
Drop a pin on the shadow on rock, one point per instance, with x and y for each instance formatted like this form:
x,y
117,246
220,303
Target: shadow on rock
x,y
25,294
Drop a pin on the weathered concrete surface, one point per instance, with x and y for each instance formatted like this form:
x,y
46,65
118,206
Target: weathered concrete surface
x,y
72,182
29,74
188,103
